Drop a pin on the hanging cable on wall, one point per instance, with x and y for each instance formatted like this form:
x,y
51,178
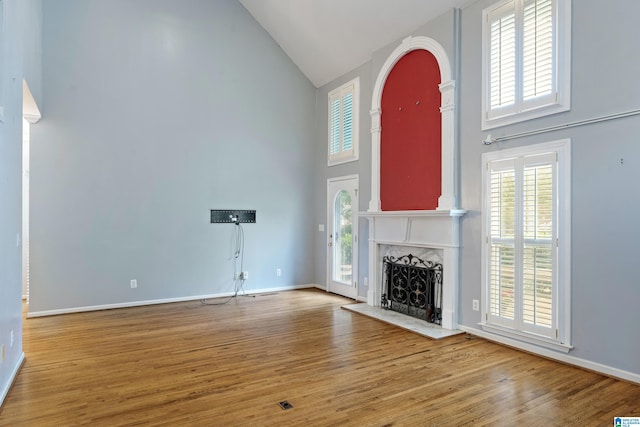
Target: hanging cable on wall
x,y
239,277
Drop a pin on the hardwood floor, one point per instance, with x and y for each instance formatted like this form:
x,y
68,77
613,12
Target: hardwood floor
x,y
196,365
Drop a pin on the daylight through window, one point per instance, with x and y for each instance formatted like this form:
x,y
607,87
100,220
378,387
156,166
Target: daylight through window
x,y
526,281
343,123
525,59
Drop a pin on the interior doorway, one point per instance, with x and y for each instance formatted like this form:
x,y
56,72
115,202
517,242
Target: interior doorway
x,y
31,115
26,145
342,235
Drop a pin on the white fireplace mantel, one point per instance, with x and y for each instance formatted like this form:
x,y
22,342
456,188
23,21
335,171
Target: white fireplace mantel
x,y
437,229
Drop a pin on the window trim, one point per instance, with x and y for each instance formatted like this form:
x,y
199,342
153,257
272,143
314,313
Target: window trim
x,y
562,291
557,103
354,153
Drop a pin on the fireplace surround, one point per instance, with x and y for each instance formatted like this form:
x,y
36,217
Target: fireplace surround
x,y
437,230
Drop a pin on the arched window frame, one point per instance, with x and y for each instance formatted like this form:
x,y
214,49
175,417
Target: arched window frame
x,y
447,199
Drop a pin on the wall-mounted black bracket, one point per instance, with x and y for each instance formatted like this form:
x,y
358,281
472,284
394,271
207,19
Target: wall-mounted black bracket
x,y
230,216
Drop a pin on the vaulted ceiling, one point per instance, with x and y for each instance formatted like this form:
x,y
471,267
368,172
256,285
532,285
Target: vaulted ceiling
x,y
327,38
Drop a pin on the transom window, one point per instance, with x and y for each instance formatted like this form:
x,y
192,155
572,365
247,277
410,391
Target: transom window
x,y
526,66
526,251
343,123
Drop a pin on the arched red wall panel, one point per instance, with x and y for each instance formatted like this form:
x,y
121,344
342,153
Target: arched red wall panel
x,y
410,142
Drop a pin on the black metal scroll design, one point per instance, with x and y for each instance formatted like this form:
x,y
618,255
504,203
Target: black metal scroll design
x,y
413,287
385,303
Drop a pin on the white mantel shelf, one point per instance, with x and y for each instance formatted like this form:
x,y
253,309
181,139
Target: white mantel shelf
x,y
414,213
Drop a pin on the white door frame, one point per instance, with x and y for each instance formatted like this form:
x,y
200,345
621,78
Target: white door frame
x,y
31,115
351,180
26,144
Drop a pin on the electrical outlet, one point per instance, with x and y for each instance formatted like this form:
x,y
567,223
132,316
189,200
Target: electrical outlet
x,y
476,305
134,283
244,275
278,272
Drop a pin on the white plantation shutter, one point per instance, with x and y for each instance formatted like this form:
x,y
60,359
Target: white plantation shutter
x,y
522,217
538,36
335,125
502,241
538,253
503,58
523,55
347,121
343,142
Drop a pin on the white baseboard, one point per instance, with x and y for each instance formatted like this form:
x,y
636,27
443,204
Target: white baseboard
x,y
560,357
324,288
158,301
12,378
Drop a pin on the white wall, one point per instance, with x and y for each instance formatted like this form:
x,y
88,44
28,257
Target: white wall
x,y
22,33
154,112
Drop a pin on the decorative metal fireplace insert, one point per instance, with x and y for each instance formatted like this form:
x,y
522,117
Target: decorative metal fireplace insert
x,y
413,287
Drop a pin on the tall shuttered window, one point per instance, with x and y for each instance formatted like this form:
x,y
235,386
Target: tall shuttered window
x,y
343,123
526,61
526,250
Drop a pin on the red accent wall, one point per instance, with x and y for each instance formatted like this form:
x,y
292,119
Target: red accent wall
x,y
410,141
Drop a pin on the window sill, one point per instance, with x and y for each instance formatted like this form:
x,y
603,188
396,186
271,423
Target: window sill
x,y
527,338
523,116
340,160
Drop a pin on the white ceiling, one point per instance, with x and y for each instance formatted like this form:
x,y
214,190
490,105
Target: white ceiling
x,y
327,38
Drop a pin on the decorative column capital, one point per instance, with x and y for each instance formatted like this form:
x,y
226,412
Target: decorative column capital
x,y
447,89
376,115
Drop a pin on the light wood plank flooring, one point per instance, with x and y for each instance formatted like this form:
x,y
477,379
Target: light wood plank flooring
x,y
187,364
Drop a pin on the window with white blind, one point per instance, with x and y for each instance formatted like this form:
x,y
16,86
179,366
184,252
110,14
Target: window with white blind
x,y
526,60
343,123
526,252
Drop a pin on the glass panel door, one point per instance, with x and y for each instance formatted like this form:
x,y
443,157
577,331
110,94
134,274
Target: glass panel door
x,y
342,239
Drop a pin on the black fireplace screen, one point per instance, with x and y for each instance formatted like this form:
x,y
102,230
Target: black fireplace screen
x,y
413,287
